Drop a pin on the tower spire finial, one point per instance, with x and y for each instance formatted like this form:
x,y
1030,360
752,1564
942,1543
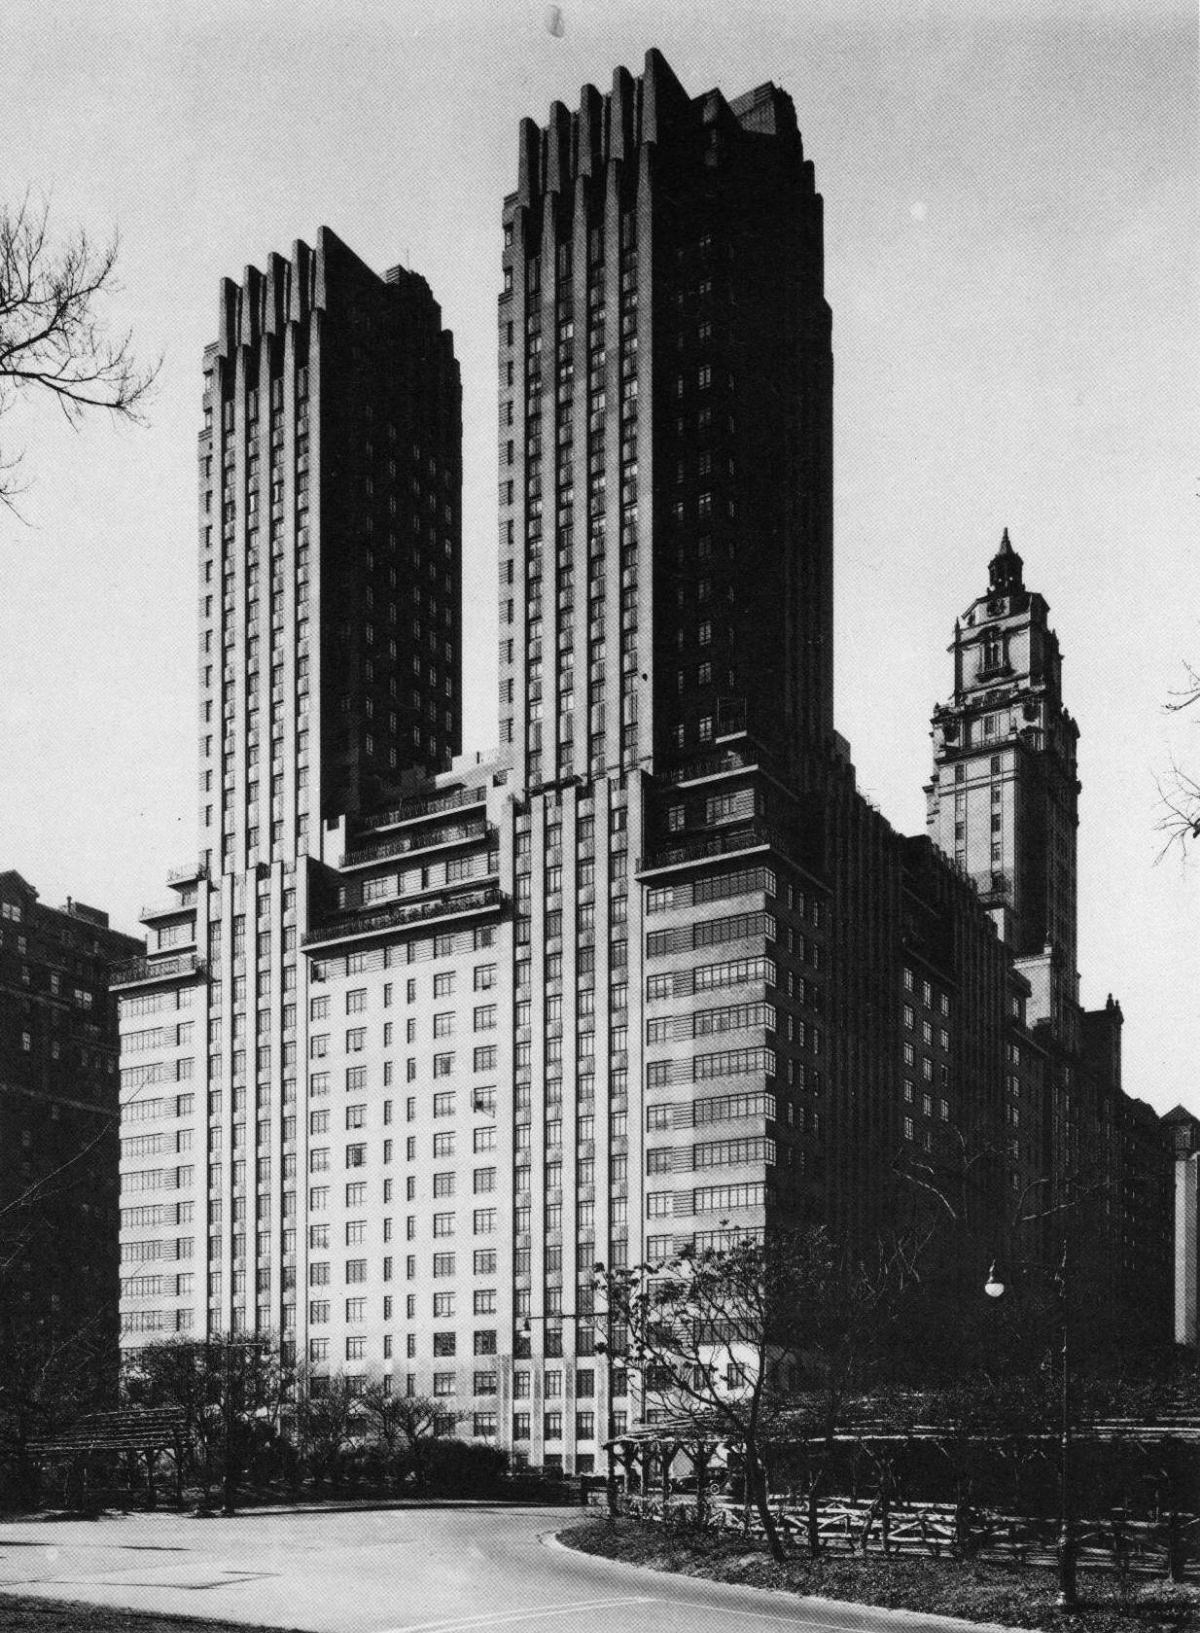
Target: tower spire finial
x,y
1005,568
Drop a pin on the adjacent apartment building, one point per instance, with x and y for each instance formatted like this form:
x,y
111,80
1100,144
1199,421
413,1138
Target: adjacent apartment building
x,y
59,1133
652,974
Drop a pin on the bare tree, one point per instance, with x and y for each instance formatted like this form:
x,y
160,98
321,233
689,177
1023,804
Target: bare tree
x,y
388,1416
329,1418
53,340
415,1420
756,1341
233,1390
1179,802
1179,790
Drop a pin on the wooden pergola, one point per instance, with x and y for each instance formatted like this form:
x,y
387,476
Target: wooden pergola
x,y
136,1432
647,1451
655,1446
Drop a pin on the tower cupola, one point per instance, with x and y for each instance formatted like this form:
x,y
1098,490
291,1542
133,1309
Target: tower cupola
x,y
1005,569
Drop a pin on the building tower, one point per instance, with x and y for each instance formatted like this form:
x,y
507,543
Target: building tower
x,y
1003,801
330,658
666,434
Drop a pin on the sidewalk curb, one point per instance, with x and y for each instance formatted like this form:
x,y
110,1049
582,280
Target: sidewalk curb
x,y
853,1609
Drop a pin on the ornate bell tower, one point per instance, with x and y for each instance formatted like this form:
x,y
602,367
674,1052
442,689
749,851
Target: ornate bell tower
x,y
1003,801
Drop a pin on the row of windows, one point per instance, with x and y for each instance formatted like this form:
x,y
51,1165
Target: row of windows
x,y
148,1111
444,945
709,1198
928,997
552,1425
910,1022
743,883
152,1003
484,978
484,1057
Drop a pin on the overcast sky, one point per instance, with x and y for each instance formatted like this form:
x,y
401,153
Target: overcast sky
x,y
1011,232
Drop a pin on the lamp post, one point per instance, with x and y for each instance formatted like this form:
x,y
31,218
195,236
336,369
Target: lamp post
x,y
1068,1543
603,1347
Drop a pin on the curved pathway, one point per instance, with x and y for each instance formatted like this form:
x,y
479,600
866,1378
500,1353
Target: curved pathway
x,y
466,1569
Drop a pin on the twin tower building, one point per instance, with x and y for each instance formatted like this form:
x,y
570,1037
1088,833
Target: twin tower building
x,y
421,1038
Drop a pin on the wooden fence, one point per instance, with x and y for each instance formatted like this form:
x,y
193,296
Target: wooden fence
x,y
939,1530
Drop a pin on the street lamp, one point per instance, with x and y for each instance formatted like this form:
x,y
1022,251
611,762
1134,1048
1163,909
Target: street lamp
x,y
604,1346
1068,1545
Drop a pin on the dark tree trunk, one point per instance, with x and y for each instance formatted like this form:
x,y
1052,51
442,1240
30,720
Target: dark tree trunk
x,y
756,1490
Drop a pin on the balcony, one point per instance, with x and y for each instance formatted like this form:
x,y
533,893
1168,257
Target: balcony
x,y
145,971
193,872
412,810
353,925
753,835
184,903
711,765
457,833
997,890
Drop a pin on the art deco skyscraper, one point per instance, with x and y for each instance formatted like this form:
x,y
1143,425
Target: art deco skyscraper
x,y
595,965
666,448
330,662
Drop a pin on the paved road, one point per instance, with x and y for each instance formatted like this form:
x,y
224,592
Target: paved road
x,y
413,1570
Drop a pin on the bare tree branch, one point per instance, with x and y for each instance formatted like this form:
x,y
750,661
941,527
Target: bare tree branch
x,y
52,339
1179,796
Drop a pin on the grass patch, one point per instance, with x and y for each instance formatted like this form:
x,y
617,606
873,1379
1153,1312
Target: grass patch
x,y
1013,1595
21,1614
